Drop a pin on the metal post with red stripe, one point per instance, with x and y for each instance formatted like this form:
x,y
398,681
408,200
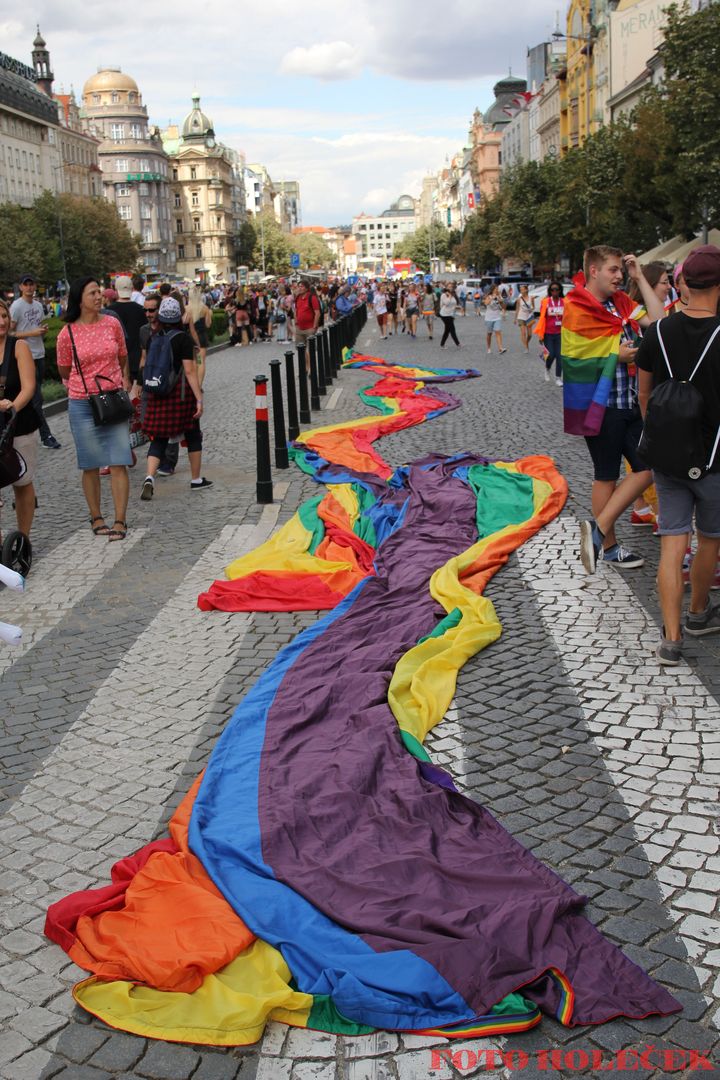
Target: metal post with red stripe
x,y
264,488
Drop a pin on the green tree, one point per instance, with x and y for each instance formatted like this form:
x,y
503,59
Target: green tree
x,y
418,246
313,251
23,246
245,241
272,248
95,240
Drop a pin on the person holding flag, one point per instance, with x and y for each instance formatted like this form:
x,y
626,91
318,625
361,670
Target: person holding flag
x,y
599,332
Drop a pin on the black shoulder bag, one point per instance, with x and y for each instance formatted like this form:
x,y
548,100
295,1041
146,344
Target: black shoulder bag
x,y
107,406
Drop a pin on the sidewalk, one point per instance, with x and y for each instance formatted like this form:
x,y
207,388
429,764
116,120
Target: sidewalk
x,y
597,759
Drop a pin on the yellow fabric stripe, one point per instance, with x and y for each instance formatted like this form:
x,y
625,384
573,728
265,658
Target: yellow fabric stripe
x,y
346,496
231,1008
287,549
582,348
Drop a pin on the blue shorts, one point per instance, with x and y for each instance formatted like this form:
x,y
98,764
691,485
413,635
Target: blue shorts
x,y
97,446
679,499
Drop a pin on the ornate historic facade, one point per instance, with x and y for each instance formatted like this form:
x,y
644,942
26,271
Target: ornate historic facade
x,y
135,172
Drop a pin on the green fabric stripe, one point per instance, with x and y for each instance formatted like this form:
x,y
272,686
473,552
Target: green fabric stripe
x,y
364,527
451,619
296,454
325,1017
503,498
414,747
374,402
308,514
588,371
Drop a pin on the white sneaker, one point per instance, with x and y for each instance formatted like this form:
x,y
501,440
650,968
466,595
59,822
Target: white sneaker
x,y
558,382
547,375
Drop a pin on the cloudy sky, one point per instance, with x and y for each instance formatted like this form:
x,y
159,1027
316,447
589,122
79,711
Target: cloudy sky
x,y
357,100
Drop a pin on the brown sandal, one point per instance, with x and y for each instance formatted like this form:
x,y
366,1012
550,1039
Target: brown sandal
x,y
99,530
117,534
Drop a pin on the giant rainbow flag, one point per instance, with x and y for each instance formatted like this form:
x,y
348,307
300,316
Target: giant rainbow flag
x,y
322,871
590,345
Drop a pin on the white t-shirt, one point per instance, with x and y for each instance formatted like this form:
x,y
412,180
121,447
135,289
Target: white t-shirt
x,y
448,305
494,311
29,317
380,303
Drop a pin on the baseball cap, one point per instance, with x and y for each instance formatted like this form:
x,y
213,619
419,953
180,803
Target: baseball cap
x,y
110,295
169,310
124,286
27,277
701,269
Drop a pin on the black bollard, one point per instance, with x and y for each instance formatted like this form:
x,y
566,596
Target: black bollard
x,y
293,423
323,362
305,417
314,384
278,411
329,365
264,487
335,346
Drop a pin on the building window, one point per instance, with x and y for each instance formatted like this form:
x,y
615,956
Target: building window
x,y
117,132
177,199
136,131
143,189
131,97
195,198
144,165
122,189
196,224
147,236
198,251
222,248
193,172
114,97
181,251
125,212
175,174
96,99
122,164
219,222
178,225
145,210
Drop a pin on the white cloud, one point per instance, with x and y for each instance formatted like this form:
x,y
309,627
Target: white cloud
x,y
326,60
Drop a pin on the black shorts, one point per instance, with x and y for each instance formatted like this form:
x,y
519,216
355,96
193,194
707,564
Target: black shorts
x,y
618,438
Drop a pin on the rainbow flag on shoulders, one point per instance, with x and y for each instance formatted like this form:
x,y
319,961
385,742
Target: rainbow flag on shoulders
x,y
591,336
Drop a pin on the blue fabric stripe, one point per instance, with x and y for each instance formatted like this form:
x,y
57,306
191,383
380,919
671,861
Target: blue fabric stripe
x,y
385,990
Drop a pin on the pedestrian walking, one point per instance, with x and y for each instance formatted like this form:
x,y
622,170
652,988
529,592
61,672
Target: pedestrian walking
x,y
428,309
448,307
27,323
178,411
199,315
494,311
679,391
600,393
412,309
380,309
17,386
133,319
91,354
549,330
308,312
524,316
462,294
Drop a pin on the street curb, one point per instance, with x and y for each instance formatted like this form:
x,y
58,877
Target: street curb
x,y
53,408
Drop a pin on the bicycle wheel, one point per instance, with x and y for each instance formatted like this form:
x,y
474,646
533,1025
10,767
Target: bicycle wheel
x,y
16,553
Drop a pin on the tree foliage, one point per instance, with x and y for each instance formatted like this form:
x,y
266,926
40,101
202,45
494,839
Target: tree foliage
x,y
313,251
272,247
633,183
95,240
434,240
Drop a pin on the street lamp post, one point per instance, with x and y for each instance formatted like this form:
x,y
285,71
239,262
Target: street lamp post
x,y
55,168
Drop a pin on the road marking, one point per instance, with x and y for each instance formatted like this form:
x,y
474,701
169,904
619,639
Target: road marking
x,y
58,582
657,728
332,401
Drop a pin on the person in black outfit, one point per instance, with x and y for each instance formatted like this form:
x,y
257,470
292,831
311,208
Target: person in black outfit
x,y
17,386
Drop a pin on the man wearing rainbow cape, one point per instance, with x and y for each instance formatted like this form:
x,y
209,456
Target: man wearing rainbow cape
x,y
600,326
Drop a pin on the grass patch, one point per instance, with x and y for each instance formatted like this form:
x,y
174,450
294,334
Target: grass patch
x,y
53,391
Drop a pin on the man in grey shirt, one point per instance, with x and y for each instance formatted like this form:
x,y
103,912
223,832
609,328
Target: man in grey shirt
x,y
27,323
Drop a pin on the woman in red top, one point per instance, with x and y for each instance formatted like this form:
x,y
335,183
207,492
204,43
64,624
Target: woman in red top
x,y
98,342
549,329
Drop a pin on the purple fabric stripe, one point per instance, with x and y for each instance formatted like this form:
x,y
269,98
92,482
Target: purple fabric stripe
x,y
350,822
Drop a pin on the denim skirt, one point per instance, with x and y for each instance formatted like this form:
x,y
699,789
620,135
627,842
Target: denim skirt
x,y
97,445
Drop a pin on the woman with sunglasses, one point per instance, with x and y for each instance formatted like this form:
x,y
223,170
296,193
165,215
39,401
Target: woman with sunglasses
x,y
549,329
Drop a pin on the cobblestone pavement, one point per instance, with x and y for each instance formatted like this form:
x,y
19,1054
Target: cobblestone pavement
x,y
602,763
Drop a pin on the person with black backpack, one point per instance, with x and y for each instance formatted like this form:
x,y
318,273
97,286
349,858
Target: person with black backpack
x,y
679,394
172,398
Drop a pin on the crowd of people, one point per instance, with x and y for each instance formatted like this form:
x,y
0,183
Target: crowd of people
x,y
667,326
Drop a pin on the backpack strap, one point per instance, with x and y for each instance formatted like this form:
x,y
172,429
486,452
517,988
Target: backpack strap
x,y
714,334
705,351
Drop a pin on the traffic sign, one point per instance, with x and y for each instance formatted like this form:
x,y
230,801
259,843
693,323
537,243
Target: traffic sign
x,y
295,260
353,279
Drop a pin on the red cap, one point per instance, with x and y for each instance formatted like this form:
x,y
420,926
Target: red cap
x,y
701,269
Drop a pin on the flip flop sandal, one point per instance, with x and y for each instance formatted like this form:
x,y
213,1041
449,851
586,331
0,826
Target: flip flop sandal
x,y
117,534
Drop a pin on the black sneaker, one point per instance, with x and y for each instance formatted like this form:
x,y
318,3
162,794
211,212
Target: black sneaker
x,y
51,443
204,483
590,544
704,622
669,653
148,489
